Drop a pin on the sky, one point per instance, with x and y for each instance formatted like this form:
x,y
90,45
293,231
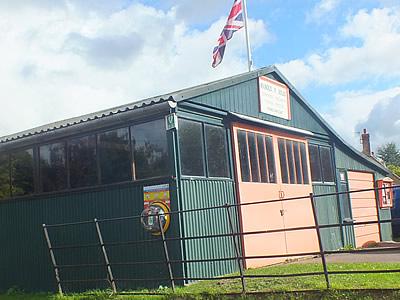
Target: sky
x,y
65,58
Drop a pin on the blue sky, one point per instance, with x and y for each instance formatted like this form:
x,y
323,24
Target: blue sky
x,y
69,57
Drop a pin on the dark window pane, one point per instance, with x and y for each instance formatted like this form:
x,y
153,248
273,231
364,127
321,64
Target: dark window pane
x,y
191,148
4,176
292,171
283,160
304,164
315,163
327,168
297,162
262,158
270,159
244,158
115,156
22,173
82,161
253,157
344,202
217,153
52,167
150,149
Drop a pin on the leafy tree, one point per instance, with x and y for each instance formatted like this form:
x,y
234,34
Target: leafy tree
x,y
394,169
390,154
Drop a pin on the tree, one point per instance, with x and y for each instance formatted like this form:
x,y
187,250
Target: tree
x,y
394,169
390,154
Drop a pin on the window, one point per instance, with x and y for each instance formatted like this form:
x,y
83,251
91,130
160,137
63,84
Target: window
x,y
254,165
321,163
53,169
326,164
344,199
5,188
191,148
270,159
243,156
283,161
82,161
22,173
293,161
262,158
304,165
256,156
114,156
150,149
217,153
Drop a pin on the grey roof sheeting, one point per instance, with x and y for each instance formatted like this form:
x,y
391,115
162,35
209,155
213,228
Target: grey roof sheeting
x,y
186,94
176,96
82,119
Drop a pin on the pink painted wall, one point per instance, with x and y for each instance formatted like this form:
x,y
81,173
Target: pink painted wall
x,y
264,217
363,206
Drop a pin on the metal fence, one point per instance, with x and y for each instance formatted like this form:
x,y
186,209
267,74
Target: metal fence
x,y
233,233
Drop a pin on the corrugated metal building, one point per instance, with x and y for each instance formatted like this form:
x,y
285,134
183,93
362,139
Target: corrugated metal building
x,y
242,139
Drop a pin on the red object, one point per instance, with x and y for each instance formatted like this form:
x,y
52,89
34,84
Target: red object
x,y
385,193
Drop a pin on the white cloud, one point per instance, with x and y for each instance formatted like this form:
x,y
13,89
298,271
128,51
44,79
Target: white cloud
x,y
321,10
377,111
379,33
62,61
383,122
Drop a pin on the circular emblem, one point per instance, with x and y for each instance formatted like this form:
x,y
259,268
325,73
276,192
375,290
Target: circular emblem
x,y
152,216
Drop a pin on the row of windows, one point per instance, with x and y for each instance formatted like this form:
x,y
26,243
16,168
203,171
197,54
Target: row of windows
x,y
293,162
257,160
203,149
256,154
135,152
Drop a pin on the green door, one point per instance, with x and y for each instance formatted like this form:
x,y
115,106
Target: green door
x,y
345,211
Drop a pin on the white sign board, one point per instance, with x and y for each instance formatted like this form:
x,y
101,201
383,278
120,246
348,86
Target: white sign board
x,y
274,98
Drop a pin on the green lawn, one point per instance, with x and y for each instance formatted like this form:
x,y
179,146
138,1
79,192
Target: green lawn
x,y
347,286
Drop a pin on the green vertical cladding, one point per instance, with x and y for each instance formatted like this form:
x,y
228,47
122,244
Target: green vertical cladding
x,y
25,261
328,213
347,162
203,193
243,98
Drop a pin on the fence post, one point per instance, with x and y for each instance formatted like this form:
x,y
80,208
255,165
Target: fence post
x,y
171,278
53,259
321,247
107,261
237,252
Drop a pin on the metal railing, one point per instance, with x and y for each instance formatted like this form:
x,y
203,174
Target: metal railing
x,y
232,233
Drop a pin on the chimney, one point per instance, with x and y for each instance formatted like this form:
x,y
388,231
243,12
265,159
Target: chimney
x,y
365,143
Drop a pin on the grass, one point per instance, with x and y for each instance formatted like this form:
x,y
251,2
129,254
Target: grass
x,y
348,286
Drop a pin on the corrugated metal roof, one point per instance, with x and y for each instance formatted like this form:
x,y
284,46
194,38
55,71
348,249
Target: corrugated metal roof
x,y
182,95
176,96
82,119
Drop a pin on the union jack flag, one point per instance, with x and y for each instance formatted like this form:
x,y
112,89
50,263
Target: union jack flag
x,y
234,23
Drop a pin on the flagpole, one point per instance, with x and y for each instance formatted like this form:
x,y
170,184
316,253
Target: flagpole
x,y
249,61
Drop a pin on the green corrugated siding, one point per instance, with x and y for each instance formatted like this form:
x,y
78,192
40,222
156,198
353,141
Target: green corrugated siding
x,y
347,162
243,98
28,254
344,161
200,193
328,213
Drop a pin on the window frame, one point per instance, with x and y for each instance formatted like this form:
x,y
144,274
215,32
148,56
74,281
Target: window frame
x,y
264,136
332,163
38,181
204,123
